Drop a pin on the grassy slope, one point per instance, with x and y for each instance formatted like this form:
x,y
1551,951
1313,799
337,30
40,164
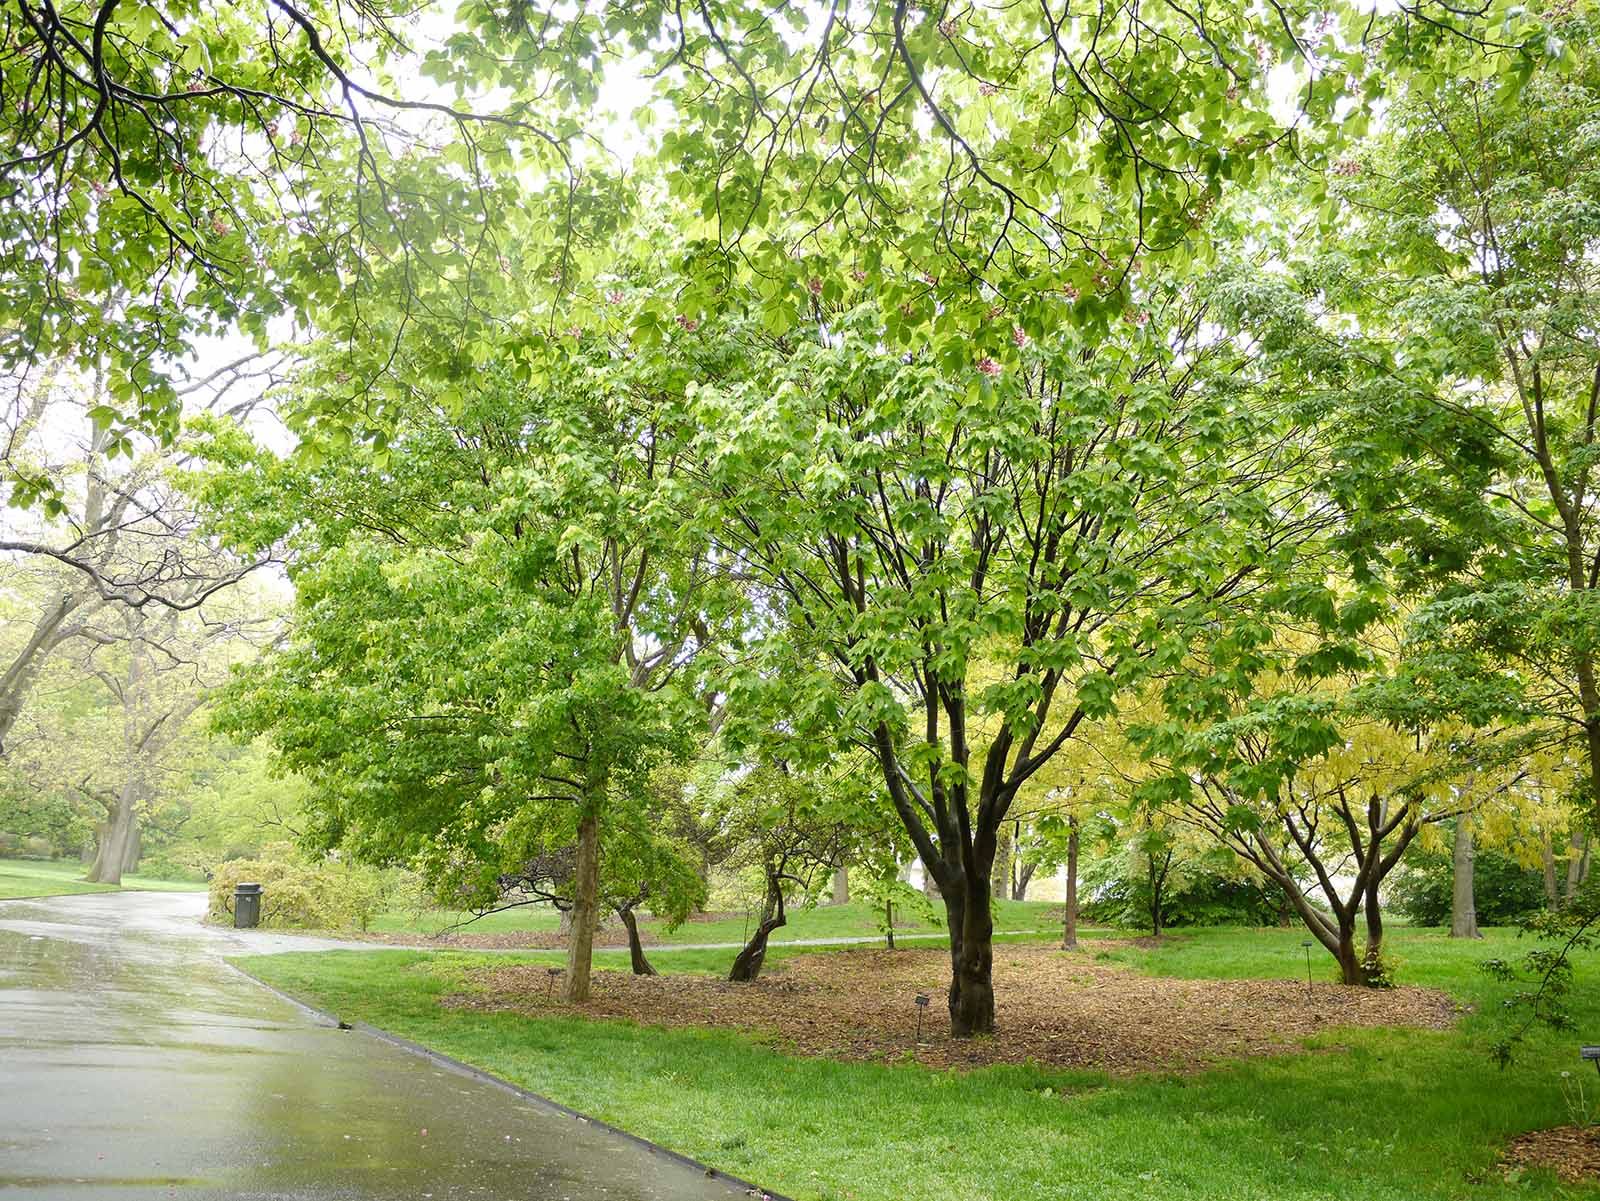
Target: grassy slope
x,y
853,920
37,878
1377,1116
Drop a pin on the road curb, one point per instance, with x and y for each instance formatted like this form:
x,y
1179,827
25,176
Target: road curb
x,y
323,1017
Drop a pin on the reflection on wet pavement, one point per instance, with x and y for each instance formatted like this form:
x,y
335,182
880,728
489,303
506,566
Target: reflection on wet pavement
x,y
135,1064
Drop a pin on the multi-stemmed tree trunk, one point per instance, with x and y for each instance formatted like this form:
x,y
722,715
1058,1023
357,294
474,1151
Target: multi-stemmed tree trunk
x,y
1463,904
1378,834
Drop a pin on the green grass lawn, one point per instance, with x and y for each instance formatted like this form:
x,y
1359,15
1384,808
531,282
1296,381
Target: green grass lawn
x,y
1373,1115
40,878
852,920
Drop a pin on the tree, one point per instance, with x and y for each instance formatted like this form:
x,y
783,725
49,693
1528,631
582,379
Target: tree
x,y
566,560
638,869
794,829
1449,330
118,535
1060,508
175,170
1463,903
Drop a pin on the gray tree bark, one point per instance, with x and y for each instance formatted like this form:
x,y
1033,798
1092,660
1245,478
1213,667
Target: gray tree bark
x,y
1548,854
1577,863
841,885
1463,904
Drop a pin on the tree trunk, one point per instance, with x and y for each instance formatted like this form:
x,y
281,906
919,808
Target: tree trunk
x,y
134,851
748,963
585,905
114,837
1158,885
1548,854
1000,869
641,965
1577,854
972,1002
1350,968
1019,887
1372,960
1069,920
1463,905
841,885
888,925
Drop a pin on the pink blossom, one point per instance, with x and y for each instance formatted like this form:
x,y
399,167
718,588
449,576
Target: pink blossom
x,y
948,27
1347,166
859,275
1069,291
814,286
987,89
614,296
993,311
688,323
574,331
987,366
1138,317
1019,337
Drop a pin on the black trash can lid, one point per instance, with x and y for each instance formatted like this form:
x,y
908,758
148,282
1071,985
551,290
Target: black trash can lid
x,y
239,889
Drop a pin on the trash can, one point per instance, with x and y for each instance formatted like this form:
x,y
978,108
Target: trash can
x,y
246,906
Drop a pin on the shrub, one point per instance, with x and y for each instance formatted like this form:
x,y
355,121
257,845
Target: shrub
x,y
300,894
37,848
1114,889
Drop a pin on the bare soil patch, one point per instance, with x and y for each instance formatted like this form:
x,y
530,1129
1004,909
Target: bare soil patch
x,y
1571,1152
1052,1007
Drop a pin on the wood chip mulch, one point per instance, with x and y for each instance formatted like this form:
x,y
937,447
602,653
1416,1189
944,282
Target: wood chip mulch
x,y
1571,1152
1052,1007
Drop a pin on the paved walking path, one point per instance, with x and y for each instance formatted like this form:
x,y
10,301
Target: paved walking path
x,y
264,942
135,1064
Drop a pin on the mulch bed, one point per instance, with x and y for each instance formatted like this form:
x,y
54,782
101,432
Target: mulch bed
x,y
1571,1152
1052,1007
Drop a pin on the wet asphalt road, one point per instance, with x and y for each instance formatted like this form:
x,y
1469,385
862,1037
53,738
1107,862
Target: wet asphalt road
x,y
135,1064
